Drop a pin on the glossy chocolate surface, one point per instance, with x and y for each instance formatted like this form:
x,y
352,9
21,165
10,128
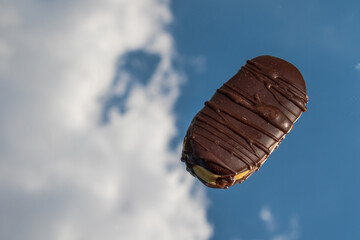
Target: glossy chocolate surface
x,y
245,120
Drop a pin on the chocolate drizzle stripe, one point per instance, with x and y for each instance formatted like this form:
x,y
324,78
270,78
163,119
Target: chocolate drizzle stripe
x,y
244,120
202,119
218,162
220,140
277,83
259,67
292,85
241,93
272,89
236,130
228,149
278,100
269,87
269,113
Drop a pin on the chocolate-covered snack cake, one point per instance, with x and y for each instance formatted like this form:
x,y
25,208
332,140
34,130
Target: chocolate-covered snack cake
x,y
244,121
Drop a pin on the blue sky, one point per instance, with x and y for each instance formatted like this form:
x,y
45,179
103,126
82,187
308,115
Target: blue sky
x,y
96,97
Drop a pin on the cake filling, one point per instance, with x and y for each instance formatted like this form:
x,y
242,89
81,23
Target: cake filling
x,y
210,177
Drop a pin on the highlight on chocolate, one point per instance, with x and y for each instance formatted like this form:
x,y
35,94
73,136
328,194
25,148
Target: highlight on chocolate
x,y
244,122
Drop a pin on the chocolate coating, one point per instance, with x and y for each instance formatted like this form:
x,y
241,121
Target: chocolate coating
x,y
245,120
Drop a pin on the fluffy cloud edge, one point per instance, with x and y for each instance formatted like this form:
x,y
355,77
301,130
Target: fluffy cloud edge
x,y
64,175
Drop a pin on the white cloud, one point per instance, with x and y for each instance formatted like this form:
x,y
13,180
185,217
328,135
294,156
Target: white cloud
x,y
198,63
293,233
357,67
267,217
64,177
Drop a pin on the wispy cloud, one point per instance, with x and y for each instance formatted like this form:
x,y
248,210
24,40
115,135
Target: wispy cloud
x,y
267,217
277,232
293,233
198,63
357,67
64,176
